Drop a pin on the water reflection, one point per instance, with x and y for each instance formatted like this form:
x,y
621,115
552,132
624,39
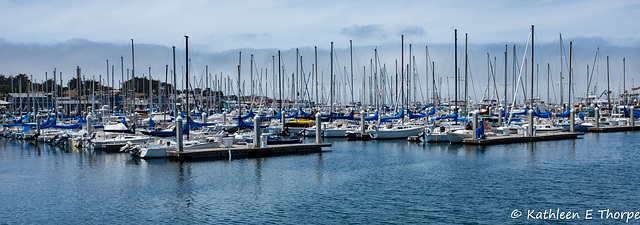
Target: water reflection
x,y
319,167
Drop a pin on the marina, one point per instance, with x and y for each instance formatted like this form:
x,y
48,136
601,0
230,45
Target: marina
x,y
319,112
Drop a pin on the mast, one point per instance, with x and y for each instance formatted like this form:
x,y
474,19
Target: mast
x,y
532,51
133,76
436,100
608,90
293,79
561,78
186,62
505,75
549,81
316,76
331,75
402,70
280,81
113,103
466,85
570,70
624,80
455,70
123,81
351,56
150,92
426,60
251,78
239,102
55,93
175,82
108,99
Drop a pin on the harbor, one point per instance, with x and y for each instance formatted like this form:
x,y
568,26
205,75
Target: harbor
x,y
319,112
353,179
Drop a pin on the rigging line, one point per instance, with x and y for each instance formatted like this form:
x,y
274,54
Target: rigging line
x,y
513,104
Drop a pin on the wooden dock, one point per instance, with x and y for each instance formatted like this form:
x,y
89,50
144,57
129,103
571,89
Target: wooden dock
x,y
604,129
518,138
240,151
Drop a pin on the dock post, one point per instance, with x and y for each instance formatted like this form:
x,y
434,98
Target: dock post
x,y
530,115
37,126
475,124
572,120
179,133
500,116
135,120
256,131
632,117
597,117
282,119
318,128
89,125
224,118
362,115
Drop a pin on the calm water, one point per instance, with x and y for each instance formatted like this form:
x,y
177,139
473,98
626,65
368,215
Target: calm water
x,y
355,183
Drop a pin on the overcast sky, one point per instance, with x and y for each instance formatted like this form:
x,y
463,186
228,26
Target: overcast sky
x,y
283,24
40,35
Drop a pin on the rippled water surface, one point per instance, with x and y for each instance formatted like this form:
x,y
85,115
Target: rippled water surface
x,y
354,183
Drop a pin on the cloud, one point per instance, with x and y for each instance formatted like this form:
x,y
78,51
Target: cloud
x,y
371,31
411,31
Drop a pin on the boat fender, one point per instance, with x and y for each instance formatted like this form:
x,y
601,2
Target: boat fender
x,y
427,131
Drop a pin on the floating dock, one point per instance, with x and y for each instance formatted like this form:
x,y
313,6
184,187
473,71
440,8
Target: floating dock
x,y
518,138
604,129
239,151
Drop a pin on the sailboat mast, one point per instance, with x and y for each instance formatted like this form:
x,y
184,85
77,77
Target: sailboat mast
x,y
505,75
624,79
561,78
455,70
175,93
351,56
549,81
532,63
280,82
570,70
187,82
133,66
331,78
150,92
315,49
402,70
466,83
608,90
239,102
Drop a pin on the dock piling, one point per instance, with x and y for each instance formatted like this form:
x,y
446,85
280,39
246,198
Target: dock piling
x,y
224,118
256,131
362,116
597,117
475,125
572,120
632,117
318,128
179,133
530,115
500,116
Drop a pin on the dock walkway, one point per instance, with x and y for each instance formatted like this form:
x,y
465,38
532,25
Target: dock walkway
x,y
239,151
518,138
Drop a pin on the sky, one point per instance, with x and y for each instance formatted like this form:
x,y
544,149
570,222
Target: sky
x,y
64,34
